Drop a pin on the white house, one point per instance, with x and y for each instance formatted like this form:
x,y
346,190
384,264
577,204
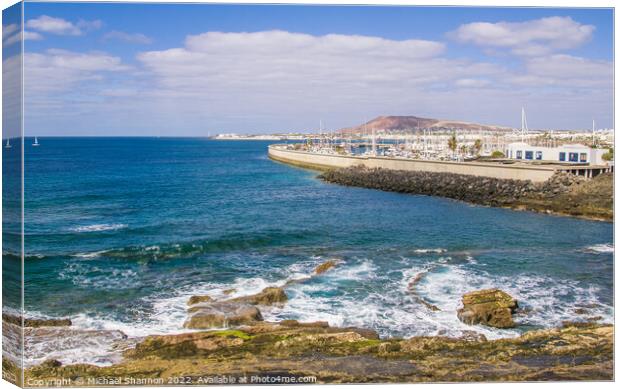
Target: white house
x,y
569,153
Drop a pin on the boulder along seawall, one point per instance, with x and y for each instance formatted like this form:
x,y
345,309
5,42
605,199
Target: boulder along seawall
x,y
562,194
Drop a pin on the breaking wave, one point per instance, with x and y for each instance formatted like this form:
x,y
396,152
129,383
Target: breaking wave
x,y
601,248
99,227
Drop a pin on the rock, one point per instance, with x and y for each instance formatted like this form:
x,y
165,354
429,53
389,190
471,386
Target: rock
x,y
188,344
591,198
472,336
35,323
268,296
51,363
221,314
199,299
229,291
325,266
339,355
295,323
490,307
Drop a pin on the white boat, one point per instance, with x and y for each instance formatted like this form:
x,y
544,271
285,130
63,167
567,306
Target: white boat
x,y
8,144
36,142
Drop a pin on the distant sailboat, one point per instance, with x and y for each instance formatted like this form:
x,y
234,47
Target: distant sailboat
x,y
36,142
8,144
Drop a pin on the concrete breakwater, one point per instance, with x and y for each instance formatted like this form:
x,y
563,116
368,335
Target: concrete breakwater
x,y
534,173
563,193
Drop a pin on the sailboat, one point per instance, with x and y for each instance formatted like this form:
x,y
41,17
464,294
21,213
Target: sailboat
x,y
36,142
8,144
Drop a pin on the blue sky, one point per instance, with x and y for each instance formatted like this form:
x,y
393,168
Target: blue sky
x,y
180,69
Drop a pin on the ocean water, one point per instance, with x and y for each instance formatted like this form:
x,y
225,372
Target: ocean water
x,y
121,231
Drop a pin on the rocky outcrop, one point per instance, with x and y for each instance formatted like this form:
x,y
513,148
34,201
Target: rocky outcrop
x,y
221,314
32,322
204,312
490,307
199,299
268,296
563,193
325,266
345,355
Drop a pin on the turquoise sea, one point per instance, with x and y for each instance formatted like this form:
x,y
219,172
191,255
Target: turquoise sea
x,y
120,232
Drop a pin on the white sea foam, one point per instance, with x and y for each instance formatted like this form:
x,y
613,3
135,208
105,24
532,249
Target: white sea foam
x,y
98,227
601,248
94,254
106,278
353,294
425,251
73,345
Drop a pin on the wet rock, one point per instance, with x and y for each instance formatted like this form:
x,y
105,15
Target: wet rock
x,y
472,336
199,299
268,296
340,355
221,314
325,266
189,344
51,363
35,323
229,291
490,307
295,323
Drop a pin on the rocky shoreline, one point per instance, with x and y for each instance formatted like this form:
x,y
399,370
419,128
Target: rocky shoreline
x,y
254,349
563,194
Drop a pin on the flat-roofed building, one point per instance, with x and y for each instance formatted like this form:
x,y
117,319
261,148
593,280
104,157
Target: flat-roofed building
x,y
568,153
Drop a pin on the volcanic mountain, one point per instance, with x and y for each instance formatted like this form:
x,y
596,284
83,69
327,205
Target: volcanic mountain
x,y
390,124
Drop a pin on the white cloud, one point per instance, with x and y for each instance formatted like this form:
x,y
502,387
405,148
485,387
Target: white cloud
x,y
32,36
8,30
530,38
28,35
279,60
128,37
61,70
570,71
58,26
471,83
277,81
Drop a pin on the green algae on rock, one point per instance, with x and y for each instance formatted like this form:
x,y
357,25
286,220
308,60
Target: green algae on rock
x,y
346,355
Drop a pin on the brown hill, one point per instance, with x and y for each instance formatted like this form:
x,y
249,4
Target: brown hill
x,y
413,124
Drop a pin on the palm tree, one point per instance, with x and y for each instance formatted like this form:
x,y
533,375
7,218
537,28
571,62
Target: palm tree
x,y
477,146
452,143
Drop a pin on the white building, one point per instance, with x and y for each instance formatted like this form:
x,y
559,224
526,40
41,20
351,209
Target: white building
x,y
569,153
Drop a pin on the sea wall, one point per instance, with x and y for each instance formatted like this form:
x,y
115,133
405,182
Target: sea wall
x,y
472,189
491,170
562,194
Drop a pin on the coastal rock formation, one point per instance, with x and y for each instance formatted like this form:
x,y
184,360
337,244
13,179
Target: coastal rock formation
x,y
199,299
221,314
490,307
325,266
563,193
412,286
268,296
32,322
341,355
